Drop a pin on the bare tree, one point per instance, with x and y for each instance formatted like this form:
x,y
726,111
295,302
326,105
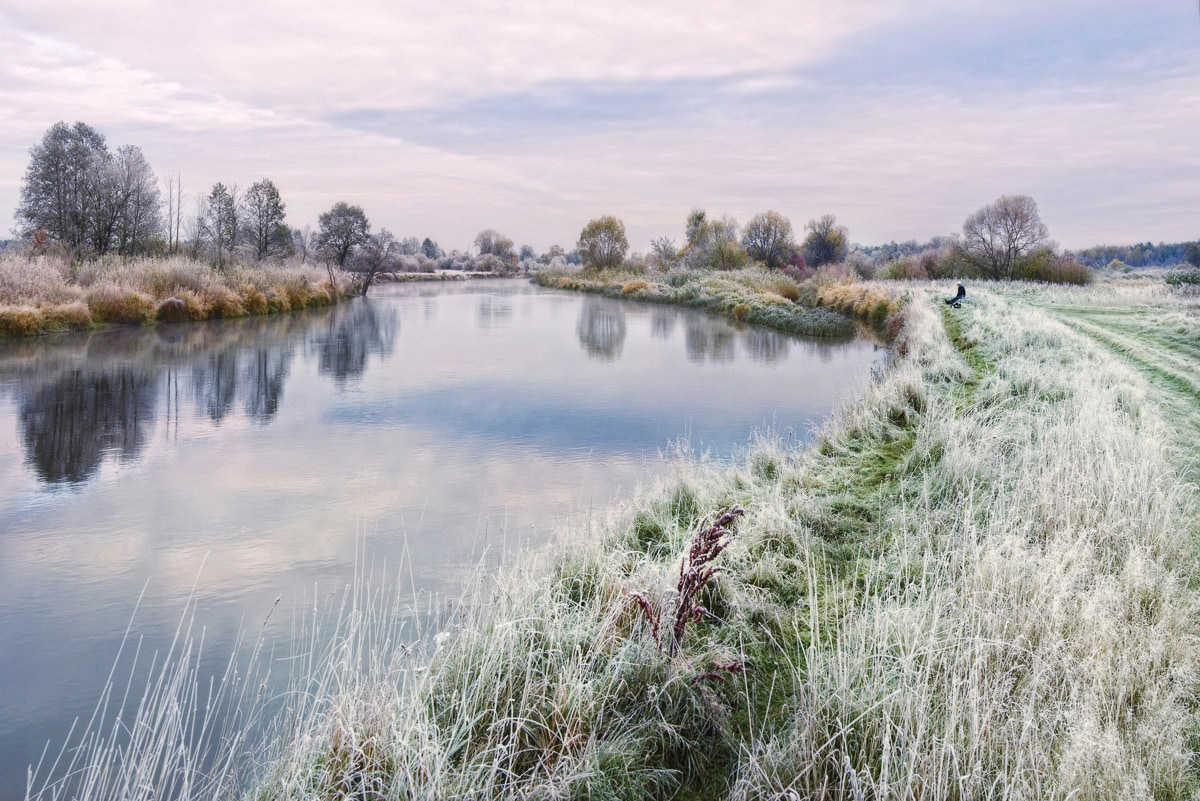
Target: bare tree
x,y
219,225
174,187
78,194
62,185
137,203
379,254
999,235
303,242
341,230
263,226
768,238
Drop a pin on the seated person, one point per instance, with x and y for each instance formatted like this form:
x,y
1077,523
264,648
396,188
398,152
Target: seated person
x,y
962,293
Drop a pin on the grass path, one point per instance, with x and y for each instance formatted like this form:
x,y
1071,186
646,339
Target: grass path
x,y
1157,343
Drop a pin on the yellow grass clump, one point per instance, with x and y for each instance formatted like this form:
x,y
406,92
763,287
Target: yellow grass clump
x,y
118,305
20,321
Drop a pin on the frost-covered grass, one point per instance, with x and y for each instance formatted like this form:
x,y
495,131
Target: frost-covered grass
x,y
752,295
980,585
51,293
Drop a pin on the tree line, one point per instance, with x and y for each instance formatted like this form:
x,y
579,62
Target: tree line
x,y
1004,240
89,200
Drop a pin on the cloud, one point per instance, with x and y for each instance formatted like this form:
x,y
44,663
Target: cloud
x,y
534,117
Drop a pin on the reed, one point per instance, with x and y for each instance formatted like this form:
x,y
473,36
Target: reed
x,y
51,293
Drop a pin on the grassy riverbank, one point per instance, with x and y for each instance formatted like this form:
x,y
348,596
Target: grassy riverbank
x,y
753,295
48,293
980,585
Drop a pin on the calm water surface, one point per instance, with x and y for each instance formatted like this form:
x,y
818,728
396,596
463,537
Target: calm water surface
x,y
434,425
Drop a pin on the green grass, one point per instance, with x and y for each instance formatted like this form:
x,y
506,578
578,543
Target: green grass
x,y
753,295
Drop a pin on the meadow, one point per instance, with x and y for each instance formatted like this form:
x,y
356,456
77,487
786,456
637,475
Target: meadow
x,y
980,585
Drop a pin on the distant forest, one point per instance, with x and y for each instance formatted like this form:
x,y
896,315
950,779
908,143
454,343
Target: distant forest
x,y
1144,254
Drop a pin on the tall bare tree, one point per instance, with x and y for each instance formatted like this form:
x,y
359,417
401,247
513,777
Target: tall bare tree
x,y
768,238
136,202
263,228
379,254
219,225
174,187
340,231
999,235
80,195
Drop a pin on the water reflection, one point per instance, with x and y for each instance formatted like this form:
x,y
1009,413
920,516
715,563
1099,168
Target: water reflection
x,y
494,312
214,384
662,322
265,375
71,423
765,346
354,333
601,329
98,396
709,339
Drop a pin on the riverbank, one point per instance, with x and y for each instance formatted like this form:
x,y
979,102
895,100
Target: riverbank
x,y
46,294
752,295
979,585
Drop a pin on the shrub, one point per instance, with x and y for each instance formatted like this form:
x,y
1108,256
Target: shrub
x,y
1049,268
906,268
677,278
786,287
118,306
20,321
172,310
224,302
277,300
1183,277
67,316
297,295
254,301
636,285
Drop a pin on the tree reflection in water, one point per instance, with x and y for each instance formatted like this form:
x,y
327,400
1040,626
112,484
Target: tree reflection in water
x,y
98,396
71,423
601,329
265,374
355,332
215,384
662,322
709,339
766,346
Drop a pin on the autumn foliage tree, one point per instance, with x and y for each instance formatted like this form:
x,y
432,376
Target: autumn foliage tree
x,y
826,242
602,243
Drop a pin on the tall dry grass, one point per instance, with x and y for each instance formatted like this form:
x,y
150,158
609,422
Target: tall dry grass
x,y
50,293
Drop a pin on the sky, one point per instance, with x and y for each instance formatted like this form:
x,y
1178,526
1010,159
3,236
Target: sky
x,y
900,117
